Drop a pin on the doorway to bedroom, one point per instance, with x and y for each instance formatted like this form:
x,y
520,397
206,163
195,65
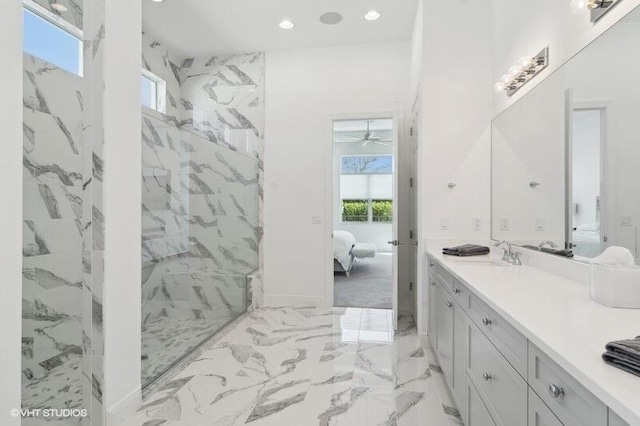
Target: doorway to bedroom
x,y
364,212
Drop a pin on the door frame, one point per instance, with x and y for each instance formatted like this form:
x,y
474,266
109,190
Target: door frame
x,y
398,124
606,112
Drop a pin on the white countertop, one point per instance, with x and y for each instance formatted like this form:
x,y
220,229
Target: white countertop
x,y
558,315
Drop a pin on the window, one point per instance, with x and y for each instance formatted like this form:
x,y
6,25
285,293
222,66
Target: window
x,y
382,211
366,188
51,42
366,164
355,210
154,91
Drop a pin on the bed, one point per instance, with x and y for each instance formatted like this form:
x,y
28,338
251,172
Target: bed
x,y
587,240
343,244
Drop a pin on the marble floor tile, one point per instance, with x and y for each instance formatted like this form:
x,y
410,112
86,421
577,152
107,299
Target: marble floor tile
x,y
307,366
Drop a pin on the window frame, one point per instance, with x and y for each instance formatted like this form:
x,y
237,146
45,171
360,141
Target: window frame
x,y
161,91
61,24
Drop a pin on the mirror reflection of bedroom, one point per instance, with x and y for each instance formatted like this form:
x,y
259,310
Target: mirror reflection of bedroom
x,y
588,238
363,213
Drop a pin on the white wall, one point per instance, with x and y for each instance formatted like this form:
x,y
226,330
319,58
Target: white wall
x,y
11,211
454,125
122,199
304,88
524,27
529,146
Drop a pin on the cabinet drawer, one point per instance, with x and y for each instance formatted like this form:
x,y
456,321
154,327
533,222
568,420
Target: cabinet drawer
x,y
573,404
442,274
501,387
478,415
539,413
509,341
461,294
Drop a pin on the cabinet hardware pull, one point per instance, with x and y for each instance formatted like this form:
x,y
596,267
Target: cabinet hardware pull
x,y
456,290
486,377
486,321
448,304
433,283
555,391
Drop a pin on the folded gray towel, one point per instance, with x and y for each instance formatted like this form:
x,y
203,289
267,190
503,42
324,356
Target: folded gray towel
x,y
624,354
466,250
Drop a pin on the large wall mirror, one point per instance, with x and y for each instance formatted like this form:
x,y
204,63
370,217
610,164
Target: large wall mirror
x,y
566,156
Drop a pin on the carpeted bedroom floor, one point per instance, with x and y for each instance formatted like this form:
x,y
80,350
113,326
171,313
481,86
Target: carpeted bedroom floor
x,y
369,285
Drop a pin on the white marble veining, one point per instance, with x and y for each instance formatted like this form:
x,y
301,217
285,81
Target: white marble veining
x,y
201,203
307,366
558,316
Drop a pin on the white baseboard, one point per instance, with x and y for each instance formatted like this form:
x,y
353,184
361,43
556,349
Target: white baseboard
x,y
276,300
126,406
424,340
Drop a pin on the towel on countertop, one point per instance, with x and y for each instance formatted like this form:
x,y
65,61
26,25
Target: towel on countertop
x,y
466,250
624,354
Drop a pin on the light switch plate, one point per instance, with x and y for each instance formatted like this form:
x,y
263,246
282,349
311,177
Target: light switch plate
x,y
316,220
626,220
477,224
539,224
444,223
505,224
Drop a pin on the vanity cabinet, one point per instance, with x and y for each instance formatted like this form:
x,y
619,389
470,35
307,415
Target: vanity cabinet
x,y
497,377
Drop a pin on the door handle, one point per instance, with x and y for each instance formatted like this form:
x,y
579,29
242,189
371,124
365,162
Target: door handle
x,y
395,243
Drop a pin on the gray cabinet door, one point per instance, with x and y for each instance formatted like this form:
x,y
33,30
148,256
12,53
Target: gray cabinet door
x,y
460,353
478,415
444,332
502,389
432,329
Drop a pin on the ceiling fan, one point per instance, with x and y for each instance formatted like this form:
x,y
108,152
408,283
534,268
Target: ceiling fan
x,y
366,139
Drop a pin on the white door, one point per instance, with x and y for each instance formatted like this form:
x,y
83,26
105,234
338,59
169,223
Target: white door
x,y
413,215
396,242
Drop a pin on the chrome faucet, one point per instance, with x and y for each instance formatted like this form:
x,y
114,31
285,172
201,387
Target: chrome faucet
x,y
547,243
508,255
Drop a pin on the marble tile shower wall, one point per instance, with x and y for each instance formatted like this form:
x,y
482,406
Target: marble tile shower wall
x,y
63,238
201,190
52,328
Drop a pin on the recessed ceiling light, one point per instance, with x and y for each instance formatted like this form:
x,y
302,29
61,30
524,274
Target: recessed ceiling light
x,y
59,7
286,24
372,15
157,1
331,18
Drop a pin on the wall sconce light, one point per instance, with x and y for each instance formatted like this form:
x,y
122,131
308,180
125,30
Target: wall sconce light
x,y
597,7
522,73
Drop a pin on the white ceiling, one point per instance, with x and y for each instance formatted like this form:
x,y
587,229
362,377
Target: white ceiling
x,y
196,28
